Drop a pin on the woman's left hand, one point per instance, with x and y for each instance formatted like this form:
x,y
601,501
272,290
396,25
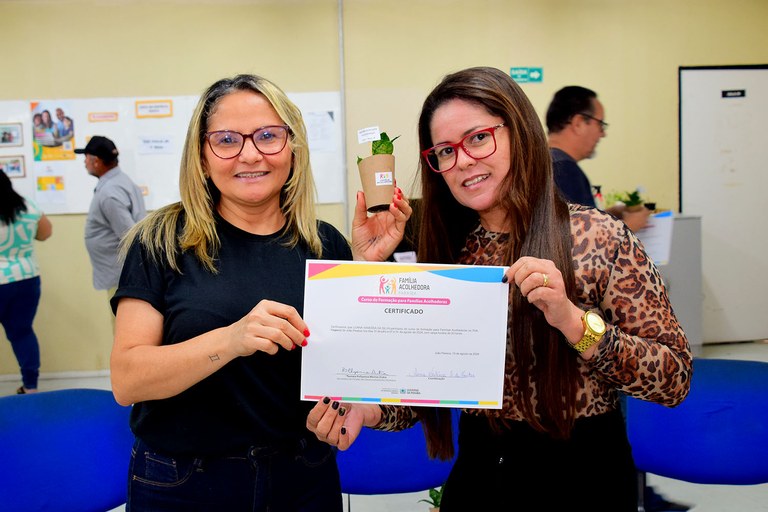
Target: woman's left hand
x,y
542,284
375,237
339,424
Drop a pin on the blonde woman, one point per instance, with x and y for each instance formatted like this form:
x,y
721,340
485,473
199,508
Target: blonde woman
x,y
209,330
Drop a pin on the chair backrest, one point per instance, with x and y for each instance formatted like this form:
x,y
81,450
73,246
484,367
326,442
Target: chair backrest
x,y
64,450
718,435
392,462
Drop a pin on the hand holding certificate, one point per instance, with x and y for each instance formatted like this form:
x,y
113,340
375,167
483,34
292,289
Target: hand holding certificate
x,y
407,334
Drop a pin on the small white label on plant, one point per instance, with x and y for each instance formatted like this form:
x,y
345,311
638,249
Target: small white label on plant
x,y
384,178
368,134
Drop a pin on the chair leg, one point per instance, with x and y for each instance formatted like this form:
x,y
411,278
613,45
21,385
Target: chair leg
x,y
641,491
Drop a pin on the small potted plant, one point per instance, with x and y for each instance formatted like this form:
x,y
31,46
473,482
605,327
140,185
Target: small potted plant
x,y
377,174
634,213
633,201
435,497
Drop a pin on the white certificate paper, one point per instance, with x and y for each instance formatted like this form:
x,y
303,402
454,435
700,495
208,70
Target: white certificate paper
x,y
405,334
657,237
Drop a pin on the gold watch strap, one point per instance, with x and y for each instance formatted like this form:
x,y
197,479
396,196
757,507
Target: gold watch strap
x,y
587,341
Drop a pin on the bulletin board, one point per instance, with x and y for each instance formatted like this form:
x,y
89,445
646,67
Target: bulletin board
x,y
39,138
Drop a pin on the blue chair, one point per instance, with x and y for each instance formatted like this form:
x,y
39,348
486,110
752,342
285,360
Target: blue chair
x,y
718,435
392,462
64,450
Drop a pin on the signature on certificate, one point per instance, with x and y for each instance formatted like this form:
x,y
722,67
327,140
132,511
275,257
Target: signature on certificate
x,y
355,372
442,374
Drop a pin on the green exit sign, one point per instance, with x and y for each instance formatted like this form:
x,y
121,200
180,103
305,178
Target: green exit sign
x,y
526,75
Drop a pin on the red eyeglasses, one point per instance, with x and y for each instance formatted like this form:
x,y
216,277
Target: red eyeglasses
x,y
478,145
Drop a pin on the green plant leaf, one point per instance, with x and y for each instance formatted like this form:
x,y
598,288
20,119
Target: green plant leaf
x,y
384,146
435,496
632,198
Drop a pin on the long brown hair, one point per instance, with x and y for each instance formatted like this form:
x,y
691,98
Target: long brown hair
x,y
539,226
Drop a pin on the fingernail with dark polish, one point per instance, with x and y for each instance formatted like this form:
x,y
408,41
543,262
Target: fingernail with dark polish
x,y
335,405
326,400
343,431
504,278
342,411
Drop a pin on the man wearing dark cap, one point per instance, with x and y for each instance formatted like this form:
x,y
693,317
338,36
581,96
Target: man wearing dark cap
x,y
116,206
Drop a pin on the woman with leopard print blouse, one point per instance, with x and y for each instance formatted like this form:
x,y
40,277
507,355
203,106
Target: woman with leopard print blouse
x,y
589,317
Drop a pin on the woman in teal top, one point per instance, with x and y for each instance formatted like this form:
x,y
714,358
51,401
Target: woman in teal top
x,y
21,222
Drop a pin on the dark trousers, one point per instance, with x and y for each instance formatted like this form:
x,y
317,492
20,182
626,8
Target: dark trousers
x,y
18,306
302,477
520,469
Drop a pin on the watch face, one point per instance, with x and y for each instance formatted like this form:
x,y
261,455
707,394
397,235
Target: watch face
x,y
595,323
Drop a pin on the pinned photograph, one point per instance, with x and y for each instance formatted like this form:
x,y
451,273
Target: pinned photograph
x,y
13,166
11,135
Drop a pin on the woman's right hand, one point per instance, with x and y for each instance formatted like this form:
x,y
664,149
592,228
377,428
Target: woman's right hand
x,y
268,327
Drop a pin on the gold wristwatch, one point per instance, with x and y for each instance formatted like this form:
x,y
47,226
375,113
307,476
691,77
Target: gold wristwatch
x,y
594,328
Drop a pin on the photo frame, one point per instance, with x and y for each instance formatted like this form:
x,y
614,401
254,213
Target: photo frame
x,y
13,166
11,134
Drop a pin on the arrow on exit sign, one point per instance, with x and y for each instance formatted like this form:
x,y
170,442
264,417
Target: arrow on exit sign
x,y
527,75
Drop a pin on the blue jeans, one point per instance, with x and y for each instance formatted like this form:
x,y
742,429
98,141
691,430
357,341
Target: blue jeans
x,y
18,306
298,478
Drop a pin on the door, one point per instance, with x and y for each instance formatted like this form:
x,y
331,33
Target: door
x,y
724,179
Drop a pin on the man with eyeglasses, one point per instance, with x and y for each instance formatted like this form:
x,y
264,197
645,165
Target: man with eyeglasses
x,y
576,123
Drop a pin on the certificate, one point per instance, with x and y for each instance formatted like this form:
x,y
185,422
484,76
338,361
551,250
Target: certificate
x,y
405,334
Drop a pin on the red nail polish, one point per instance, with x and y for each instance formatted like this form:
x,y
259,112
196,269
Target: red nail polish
x,y
304,343
306,333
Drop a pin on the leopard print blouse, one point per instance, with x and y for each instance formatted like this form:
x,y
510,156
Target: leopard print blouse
x,y
644,352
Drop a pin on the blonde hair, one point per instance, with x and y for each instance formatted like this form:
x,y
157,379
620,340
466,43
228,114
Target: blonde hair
x,y
160,233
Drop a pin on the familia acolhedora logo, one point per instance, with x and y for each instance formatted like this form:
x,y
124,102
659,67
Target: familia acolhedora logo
x,y
389,285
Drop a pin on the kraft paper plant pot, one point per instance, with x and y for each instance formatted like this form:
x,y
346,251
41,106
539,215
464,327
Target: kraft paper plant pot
x,y
377,174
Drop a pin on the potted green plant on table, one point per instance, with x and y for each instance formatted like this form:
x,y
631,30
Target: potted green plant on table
x,y
633,201
633,210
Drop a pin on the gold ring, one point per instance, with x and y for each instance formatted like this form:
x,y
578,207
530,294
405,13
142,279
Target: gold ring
x,y
546,279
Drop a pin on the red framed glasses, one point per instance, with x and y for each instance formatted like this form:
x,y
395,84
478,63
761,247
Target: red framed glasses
x,y
478,145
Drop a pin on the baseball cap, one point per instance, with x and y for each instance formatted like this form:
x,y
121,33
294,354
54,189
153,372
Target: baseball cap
x,y
101,147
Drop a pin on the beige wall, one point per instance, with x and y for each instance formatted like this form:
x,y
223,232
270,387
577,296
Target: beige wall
x,y
395,52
